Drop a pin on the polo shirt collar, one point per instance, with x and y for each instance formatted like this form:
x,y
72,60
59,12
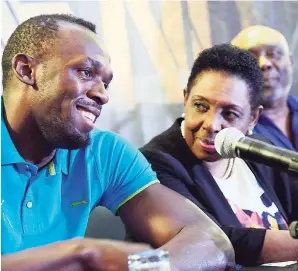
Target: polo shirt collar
x,y
293,103
62,160
9,153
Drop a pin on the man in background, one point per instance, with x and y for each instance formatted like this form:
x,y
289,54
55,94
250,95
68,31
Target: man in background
x,y
279,120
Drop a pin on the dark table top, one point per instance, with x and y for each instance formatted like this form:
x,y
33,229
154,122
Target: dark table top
x,y
268,268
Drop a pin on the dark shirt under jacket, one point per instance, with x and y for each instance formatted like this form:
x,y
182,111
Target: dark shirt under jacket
x,y
267,128
178,168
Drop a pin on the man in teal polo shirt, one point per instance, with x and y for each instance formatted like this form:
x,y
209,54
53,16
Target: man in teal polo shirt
x,y
56,168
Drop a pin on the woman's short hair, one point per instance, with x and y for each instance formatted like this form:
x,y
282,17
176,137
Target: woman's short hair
x,y
232,60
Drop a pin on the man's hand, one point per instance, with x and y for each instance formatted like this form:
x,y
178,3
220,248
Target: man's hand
x,y
75,255
112,255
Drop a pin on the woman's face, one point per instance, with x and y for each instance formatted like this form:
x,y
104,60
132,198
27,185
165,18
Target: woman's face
x,y
217,100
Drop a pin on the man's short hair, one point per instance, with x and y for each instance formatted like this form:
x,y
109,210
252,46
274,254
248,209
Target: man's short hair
x,y
234,61
35,35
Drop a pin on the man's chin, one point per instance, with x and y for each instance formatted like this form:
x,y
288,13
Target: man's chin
x,y
72,142
270,99
78,142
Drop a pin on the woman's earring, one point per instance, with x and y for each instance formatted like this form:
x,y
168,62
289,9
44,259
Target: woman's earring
x,y
183,115
249,132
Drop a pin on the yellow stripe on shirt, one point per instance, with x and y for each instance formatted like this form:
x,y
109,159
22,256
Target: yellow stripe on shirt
x,y
135,193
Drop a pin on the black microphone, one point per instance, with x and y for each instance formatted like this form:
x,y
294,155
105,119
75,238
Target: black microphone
x,y
294,229
230,142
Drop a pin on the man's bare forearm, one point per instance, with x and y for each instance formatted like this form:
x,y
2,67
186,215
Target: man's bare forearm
x,y
194,248
279,246
74,255
56,256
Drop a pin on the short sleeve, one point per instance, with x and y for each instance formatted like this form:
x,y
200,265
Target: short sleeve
x,y
124,171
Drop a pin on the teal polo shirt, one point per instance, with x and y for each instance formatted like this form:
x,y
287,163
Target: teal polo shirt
x,y
53,204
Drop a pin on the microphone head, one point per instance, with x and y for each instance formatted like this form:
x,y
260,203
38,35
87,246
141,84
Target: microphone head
x,y
225,141
294,229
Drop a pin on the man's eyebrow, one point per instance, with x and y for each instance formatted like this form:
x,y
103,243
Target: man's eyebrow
x,y
94,62
98,64
81,59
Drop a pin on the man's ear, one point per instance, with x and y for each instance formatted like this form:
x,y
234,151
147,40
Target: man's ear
x,y
291,59
24,68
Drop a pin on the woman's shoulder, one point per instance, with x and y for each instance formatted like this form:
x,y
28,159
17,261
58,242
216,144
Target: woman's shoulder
x,y
165,141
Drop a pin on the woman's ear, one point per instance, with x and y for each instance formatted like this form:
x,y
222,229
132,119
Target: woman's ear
x,y
255,117
185,95
24,68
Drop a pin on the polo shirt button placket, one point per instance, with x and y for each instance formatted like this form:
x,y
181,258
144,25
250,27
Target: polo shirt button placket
x,y
29,204
28,221
28,171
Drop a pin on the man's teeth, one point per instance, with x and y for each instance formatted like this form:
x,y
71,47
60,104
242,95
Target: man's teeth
x,y
87,115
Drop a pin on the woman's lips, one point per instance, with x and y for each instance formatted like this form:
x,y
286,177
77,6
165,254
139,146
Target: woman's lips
x,y
207,146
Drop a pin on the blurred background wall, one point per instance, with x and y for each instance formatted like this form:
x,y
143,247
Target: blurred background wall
x,y
153,45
